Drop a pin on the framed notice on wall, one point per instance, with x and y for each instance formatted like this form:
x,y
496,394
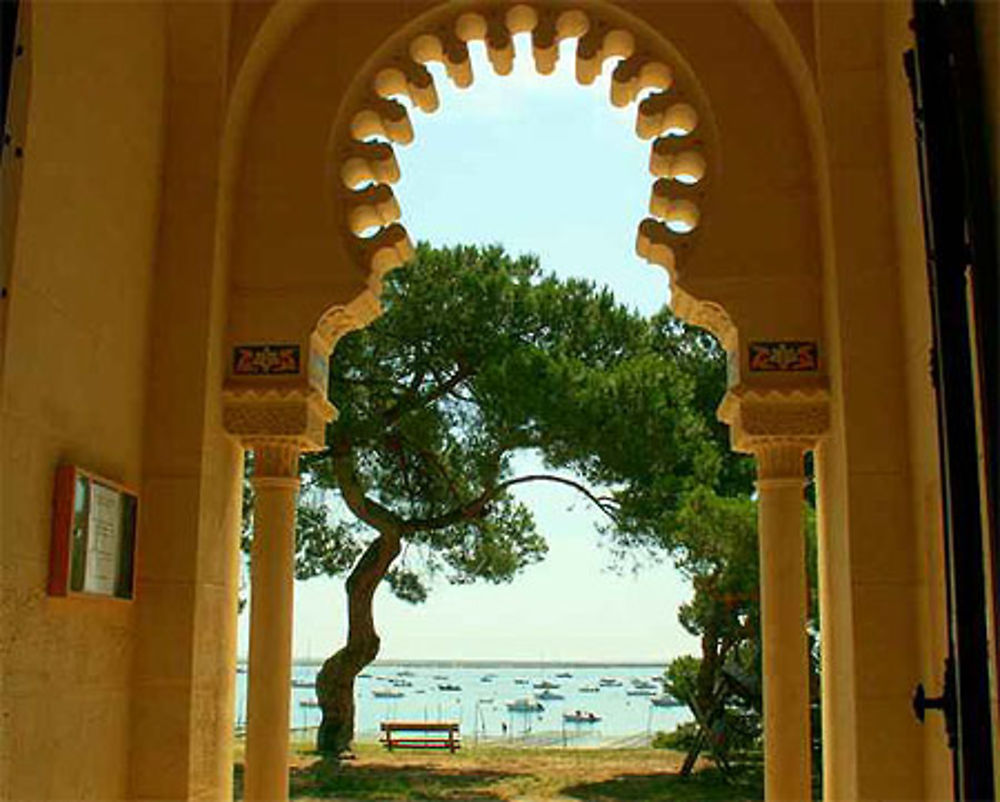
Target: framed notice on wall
x,y
93,536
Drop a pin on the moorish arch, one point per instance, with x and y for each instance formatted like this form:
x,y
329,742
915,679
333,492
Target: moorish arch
x,y
734,217
178,259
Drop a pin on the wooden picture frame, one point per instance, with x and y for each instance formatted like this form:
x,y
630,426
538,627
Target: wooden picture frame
x,y
92,550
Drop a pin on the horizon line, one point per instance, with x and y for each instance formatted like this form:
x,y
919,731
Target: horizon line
x,y
479,662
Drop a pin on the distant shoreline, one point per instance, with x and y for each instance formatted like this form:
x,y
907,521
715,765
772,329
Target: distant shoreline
x,y
428,663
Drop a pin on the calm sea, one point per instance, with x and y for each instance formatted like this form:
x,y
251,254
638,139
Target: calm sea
x,y
480,703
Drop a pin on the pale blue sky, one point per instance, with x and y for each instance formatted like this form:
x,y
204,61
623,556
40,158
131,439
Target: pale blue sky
x,y
541,165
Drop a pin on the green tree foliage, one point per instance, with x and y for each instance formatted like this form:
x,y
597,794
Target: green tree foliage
x,y
714,545
479,356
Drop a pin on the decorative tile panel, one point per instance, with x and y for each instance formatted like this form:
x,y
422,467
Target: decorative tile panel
x,y
266,360
789,356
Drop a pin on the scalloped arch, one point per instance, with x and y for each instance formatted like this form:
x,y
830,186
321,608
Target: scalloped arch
x,y
675,115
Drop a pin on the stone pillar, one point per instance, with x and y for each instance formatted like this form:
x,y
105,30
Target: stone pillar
x,y
276,482
784,613
778,424
275,404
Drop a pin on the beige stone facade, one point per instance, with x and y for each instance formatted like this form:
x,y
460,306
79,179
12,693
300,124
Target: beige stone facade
x,y
181,202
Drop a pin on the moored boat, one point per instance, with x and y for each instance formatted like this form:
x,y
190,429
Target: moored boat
x,y
581,717
386,693
549,695
526,704
666,700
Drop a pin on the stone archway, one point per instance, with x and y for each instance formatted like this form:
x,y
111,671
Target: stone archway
x,y
320,178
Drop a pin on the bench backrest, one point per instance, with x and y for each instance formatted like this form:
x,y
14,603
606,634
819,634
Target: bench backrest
x,y
419,726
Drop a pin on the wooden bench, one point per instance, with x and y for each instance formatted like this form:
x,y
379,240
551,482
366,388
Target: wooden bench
x,y
420,735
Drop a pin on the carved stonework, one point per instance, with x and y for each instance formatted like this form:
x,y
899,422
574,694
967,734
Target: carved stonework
x,y
796,416
671,111
295,416
781,460
340,320
704,314
275,459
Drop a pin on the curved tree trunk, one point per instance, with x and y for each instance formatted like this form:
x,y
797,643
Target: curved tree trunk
x,y
335,682
703,703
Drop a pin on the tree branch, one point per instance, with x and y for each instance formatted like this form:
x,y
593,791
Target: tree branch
x,y
365,508
474,508
392,415
604,503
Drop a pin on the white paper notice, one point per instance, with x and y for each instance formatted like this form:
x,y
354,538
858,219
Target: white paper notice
x,y
104,540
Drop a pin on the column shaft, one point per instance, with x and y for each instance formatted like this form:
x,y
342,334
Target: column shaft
x,y
784,613
270,665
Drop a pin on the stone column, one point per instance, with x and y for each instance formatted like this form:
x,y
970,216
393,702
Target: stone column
x,y
778,424
784,613
276,483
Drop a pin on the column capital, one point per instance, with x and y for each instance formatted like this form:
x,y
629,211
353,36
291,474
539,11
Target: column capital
x,y
275,461
781,461
775,422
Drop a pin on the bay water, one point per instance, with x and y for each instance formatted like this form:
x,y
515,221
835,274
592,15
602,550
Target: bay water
x,y
477,696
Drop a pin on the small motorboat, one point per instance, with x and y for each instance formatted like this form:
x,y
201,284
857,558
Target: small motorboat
x,y
666,700
386,693
303,683
449,686
549,695
525,705
400,683
640,692
589,689
609,682
564,675
546,685
520,681
309,703
644,684
581,717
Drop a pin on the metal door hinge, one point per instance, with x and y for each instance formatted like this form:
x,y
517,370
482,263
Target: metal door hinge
x,y
945,703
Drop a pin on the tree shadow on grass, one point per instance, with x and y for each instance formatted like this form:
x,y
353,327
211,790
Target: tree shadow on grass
x,y
709,785
332,780
326,780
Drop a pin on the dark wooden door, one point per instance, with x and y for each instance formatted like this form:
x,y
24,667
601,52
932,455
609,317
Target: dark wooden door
x,y
960,228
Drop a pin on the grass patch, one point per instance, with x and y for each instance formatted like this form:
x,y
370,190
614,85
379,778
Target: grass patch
x,y
491,773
